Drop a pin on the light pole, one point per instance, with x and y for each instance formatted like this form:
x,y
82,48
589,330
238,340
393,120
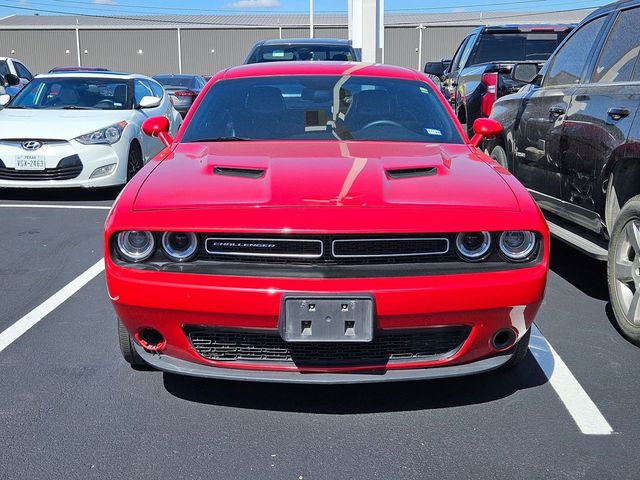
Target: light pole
x,y
310,18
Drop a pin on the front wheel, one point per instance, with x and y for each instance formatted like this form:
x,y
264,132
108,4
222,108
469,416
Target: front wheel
x,y
134,161
520,351
129,352
500,156
623,270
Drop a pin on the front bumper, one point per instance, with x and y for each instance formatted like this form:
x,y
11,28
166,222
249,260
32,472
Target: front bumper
x,y
169,302
91,156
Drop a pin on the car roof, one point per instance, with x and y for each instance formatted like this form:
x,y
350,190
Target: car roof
x,y
305,41
76,74
176,75
521,27
321,68
611,7
79,69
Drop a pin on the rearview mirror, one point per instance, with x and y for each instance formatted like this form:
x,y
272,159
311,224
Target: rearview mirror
x,y
149,102
158,127
434,68
524,72
12,80
4,100
485,128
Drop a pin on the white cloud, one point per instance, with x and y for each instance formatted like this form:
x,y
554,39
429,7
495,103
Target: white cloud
x,y
255,4
105,2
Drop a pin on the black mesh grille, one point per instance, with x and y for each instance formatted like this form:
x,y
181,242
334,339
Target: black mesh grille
x,y
390,247
402,346
67,169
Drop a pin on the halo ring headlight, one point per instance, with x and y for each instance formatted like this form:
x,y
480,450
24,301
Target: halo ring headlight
x,y
180,246
135,245
473,246
517,245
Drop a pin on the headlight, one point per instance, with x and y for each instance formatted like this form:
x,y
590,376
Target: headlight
x,y
473,245
135,245
104,136
517,245
180,246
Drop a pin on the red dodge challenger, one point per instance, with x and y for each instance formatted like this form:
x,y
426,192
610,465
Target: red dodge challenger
x,y
324,223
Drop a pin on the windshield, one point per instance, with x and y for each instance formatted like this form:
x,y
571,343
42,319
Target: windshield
x,y
182,82
321,108
500,47
282,53
75,93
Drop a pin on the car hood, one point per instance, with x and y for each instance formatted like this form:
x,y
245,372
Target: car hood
x,y
56,124
323,174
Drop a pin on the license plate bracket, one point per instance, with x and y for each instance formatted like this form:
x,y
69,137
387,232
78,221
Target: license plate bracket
x,y
30,162
327,318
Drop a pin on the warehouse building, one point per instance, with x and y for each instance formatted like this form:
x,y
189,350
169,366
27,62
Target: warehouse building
x,y
205,44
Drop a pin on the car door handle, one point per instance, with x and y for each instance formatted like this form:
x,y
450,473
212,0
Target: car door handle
x,y
616,113
557,110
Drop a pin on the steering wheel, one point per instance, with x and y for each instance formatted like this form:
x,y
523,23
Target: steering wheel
x,y
106,102
382,122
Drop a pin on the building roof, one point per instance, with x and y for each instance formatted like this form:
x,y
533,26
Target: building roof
x,y
286,20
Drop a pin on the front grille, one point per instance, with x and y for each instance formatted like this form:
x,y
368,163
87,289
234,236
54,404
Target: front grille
x,y
256,346
328,249
67,169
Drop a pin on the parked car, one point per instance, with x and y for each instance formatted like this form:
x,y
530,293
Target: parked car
x,y
572,136
78,69
182,89
15,67
80,130
479,73
312,222
301,49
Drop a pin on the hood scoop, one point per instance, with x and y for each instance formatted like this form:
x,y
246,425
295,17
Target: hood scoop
x,y
239,172
411,172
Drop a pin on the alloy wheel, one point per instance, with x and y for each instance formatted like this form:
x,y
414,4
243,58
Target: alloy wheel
x,y
627,271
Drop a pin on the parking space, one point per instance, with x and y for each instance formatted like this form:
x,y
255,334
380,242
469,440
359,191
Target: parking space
x,y
70,407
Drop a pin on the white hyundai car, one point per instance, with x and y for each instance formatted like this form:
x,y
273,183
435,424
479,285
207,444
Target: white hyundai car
x,y
80,130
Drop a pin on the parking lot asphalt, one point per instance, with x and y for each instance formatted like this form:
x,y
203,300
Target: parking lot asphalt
x,y
71,408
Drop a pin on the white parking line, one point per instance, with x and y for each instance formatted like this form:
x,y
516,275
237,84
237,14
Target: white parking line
x,y
584,412
16,330
35,205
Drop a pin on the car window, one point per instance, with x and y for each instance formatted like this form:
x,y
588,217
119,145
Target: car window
x,y
456,58
322,107
620,52
525,46
282,53
467,51
569,62
22,71
141,89
4,68
157,89
74,93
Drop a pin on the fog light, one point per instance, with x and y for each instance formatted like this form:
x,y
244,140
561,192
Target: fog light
x,y
180,246
473,245
103,171
517,245
135,245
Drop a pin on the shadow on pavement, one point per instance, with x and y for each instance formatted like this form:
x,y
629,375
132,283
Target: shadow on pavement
x,y
583,272
60,194
359,398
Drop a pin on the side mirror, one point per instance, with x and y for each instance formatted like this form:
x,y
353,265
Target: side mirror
x,y
434,68
149,102
524,72
12,80
4,100
485,128
446,62
157,127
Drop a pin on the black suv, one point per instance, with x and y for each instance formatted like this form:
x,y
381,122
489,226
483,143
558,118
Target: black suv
x,y
572,137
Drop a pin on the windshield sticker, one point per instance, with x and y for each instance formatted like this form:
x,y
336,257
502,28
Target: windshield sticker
x,y
277,53
424,90
433,131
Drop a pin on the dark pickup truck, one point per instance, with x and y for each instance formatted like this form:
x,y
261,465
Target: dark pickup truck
x,y
479,72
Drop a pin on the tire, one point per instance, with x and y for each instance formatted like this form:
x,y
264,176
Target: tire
x,y
623,270
499,155
520,351
134,161
128,351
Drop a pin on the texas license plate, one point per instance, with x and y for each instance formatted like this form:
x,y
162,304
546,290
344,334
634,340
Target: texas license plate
x,y
30,162
327,319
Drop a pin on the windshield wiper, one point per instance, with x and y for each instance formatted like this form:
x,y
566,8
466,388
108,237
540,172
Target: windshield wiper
x,y
75,107
224,139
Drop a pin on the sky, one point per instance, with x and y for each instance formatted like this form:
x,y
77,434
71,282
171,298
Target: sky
x,y
137,7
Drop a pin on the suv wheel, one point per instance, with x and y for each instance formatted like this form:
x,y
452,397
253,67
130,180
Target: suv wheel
x,y
500,156
623,270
